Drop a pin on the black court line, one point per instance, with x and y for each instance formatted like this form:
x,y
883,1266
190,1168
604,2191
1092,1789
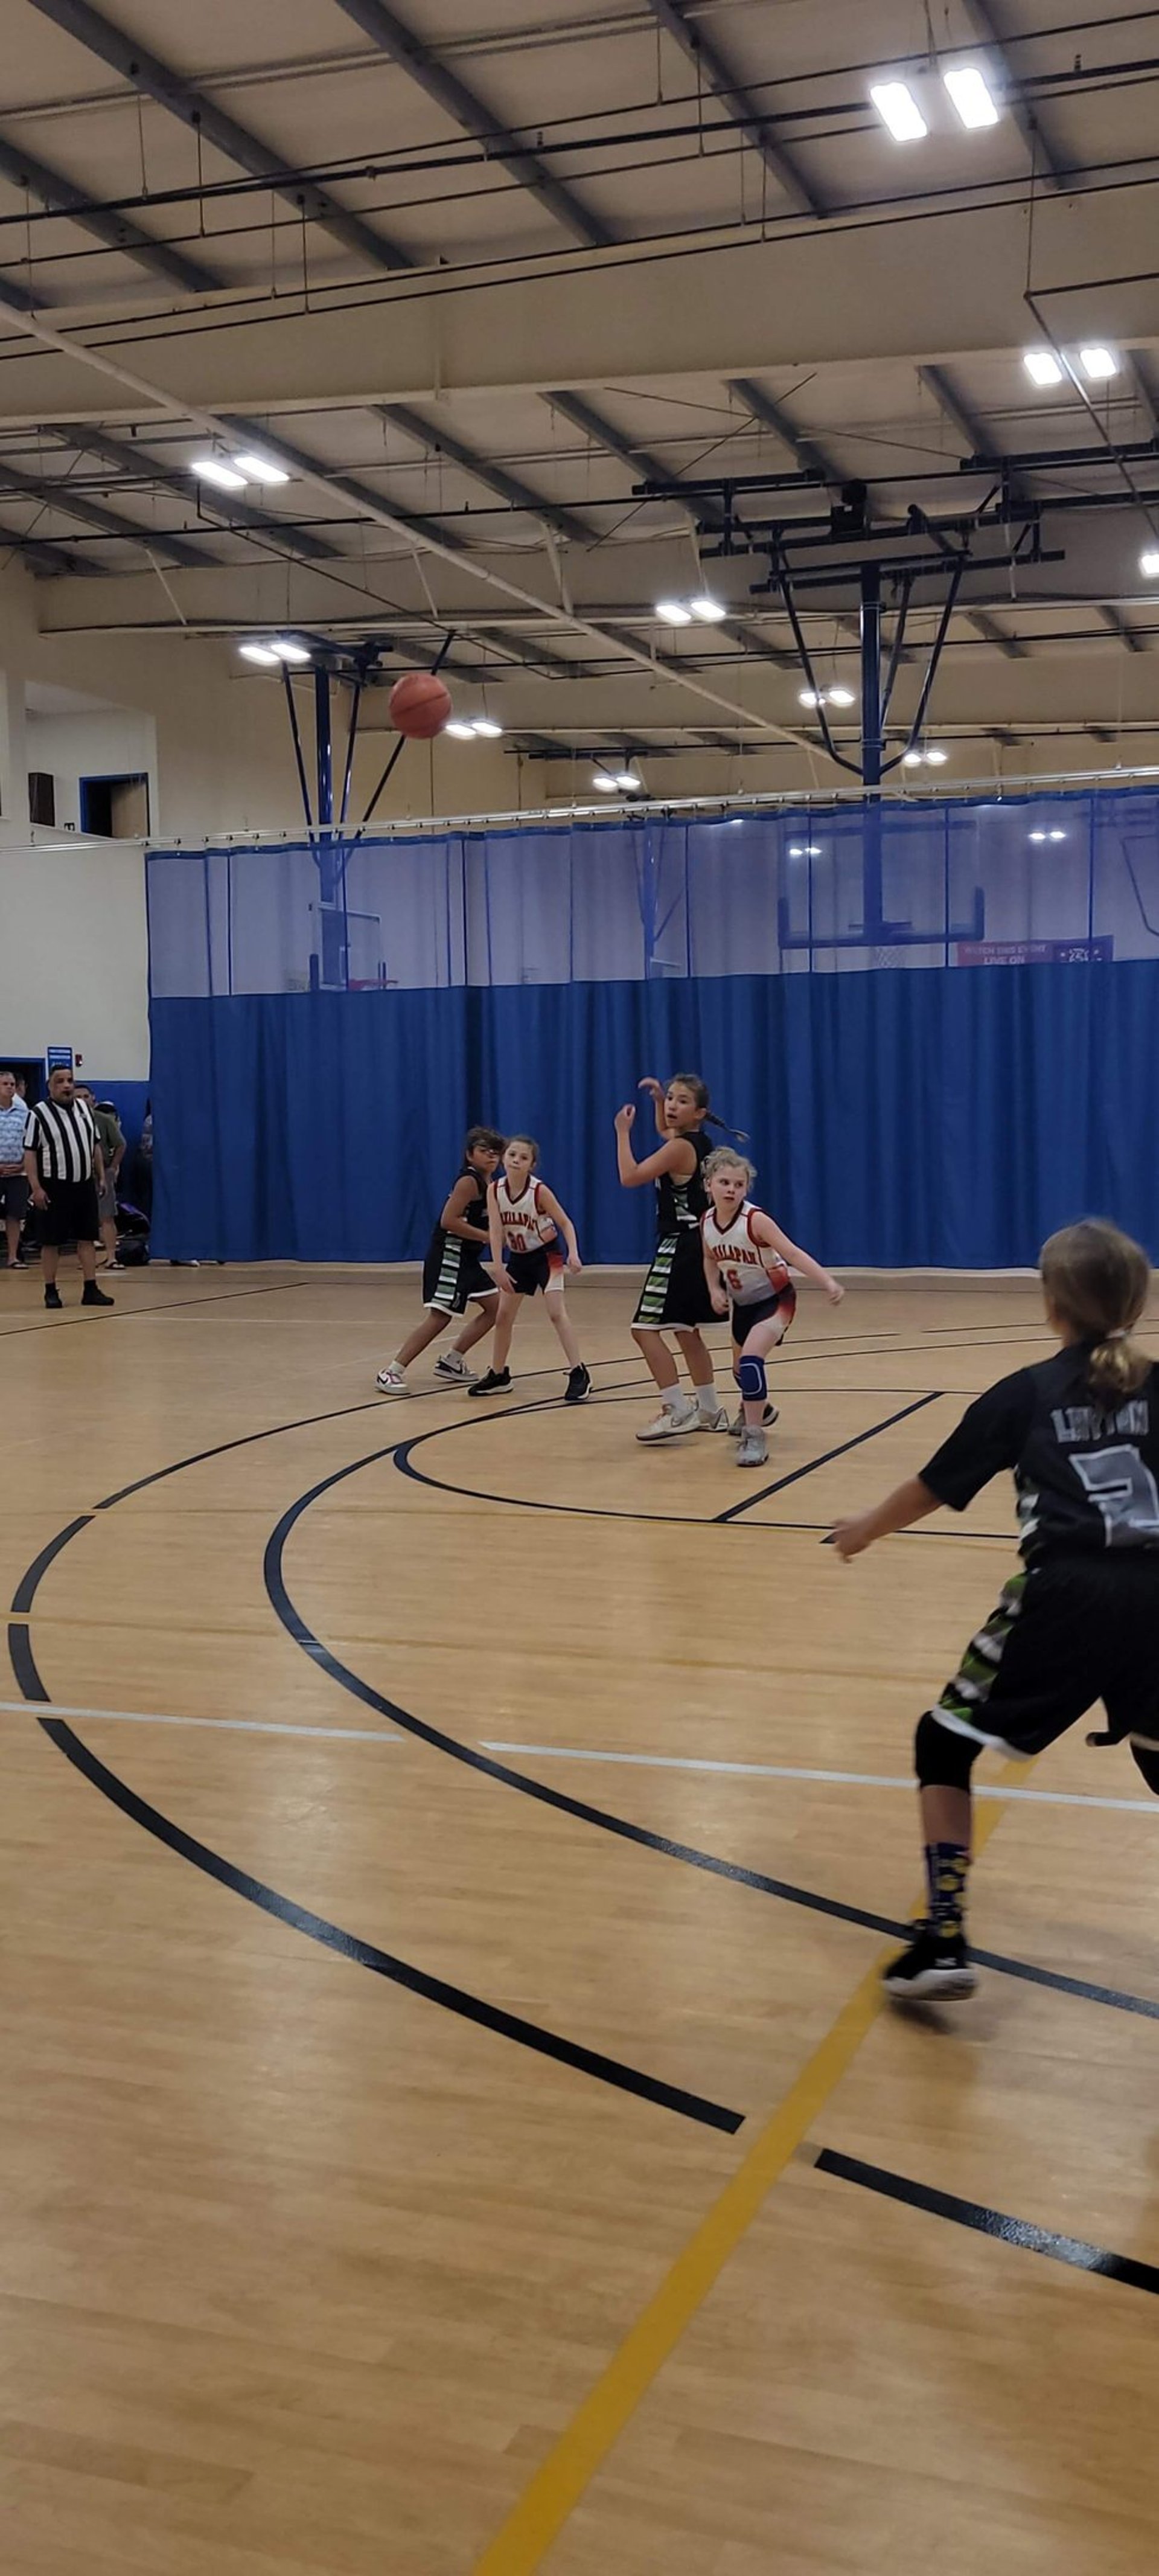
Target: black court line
x,y
164,1306
317,1927
403,1456
974,2214
761,1496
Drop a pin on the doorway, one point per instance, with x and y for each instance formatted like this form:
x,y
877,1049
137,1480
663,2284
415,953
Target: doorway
x,y
116,809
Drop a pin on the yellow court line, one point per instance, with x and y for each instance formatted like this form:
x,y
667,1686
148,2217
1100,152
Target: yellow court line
x,y
560,2481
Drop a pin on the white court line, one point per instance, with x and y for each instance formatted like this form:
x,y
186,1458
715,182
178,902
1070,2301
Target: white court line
x,y
787,1771
228,1725
563,1753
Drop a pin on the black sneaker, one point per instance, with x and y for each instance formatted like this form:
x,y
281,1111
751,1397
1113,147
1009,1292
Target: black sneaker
x,y
91,1295
496,1382
578,1386
936,1968
53,1298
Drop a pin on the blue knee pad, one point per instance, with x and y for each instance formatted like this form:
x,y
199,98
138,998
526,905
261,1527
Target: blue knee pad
x,y
752,1378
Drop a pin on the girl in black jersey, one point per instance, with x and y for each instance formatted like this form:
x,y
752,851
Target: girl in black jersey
x,y
675,1296
1080,1623
453,1273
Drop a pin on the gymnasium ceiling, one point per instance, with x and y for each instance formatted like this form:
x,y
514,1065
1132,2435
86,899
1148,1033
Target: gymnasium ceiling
x,y
472,272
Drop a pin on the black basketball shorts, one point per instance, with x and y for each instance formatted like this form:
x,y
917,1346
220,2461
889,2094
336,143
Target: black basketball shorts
x,y
1067,1632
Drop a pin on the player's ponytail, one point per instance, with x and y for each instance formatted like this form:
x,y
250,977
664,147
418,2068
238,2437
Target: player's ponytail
x,y
1096,1281
695,1083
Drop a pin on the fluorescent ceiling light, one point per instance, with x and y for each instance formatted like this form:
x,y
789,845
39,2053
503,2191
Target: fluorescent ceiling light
x,y
287,652
487,726
1042,366
257,469
912,759
212,469
673,612
795,850
812,849
262,653
937,758
708,610
1038,836
970,92
602,778
1057,836
1099,363
459,730
899,111
1149,563
809,697
840,697
627,779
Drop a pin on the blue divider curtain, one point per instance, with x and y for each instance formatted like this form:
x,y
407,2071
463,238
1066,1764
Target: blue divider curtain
x,y
897,1119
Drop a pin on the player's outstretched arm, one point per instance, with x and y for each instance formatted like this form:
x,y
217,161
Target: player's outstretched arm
x,y
655,1091
766,1232
910,1502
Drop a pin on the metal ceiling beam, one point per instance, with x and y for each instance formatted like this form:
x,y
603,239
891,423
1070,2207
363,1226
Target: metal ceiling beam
x,y
387,30
494,478
429,533
43,554
646,467
975,437
772,415
195,108
707,57
1044,155
76,505
62,196
1114,618
238,515
1010,646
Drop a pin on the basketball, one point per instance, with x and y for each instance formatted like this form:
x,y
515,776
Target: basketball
x,y
420,705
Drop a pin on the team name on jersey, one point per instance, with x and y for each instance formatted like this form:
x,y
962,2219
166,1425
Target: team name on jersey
x,y
525,1225
748,1268
1076,1422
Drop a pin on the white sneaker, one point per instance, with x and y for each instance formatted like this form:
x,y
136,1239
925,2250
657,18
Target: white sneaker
x,y
752,1449
453,1365
717,1421
668,1424
392,1380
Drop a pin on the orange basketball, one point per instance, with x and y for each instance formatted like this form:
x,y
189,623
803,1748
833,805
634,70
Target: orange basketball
x,y
420,705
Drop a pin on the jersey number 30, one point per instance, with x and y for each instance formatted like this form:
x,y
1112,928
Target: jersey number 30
x,y
1124,1491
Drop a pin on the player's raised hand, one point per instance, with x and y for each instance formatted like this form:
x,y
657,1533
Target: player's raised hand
x,y
625,1119
649,1083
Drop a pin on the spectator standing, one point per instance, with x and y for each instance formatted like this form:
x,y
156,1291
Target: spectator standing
x,y
13,1184
112,1145
65,1169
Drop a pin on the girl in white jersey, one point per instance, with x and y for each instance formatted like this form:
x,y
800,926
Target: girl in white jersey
x,y
526,1223
746,1261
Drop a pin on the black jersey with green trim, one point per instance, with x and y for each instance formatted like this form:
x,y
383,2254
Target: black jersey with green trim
x,y
475,1213
682,1203
1085,1466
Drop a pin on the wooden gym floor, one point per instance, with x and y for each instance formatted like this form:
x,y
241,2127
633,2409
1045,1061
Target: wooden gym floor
x,y
448,2127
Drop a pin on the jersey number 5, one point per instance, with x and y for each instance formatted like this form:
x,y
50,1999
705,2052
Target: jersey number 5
x,y
1124,1491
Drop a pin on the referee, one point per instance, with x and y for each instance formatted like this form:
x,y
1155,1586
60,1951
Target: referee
x,y
63,1161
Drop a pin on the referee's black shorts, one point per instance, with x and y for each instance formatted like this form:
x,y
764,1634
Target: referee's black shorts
x,y
1068,1632
72,1214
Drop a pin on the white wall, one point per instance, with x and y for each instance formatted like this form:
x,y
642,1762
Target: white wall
x,y
121,742
73,966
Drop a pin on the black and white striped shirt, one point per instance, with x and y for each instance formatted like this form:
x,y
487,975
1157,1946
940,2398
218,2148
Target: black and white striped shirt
x,y
63,1138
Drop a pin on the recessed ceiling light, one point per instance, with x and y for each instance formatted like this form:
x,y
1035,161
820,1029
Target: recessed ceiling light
x,y
708,610
1149,564
212,469
487,726
262,653
673,612
899,111
840,697
1099,363
257,469
970,92
460,730
603,779
937,758
287,652
1042,366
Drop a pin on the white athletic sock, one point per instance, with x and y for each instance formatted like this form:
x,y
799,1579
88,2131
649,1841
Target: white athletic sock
x,y
673,1399
706,1399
